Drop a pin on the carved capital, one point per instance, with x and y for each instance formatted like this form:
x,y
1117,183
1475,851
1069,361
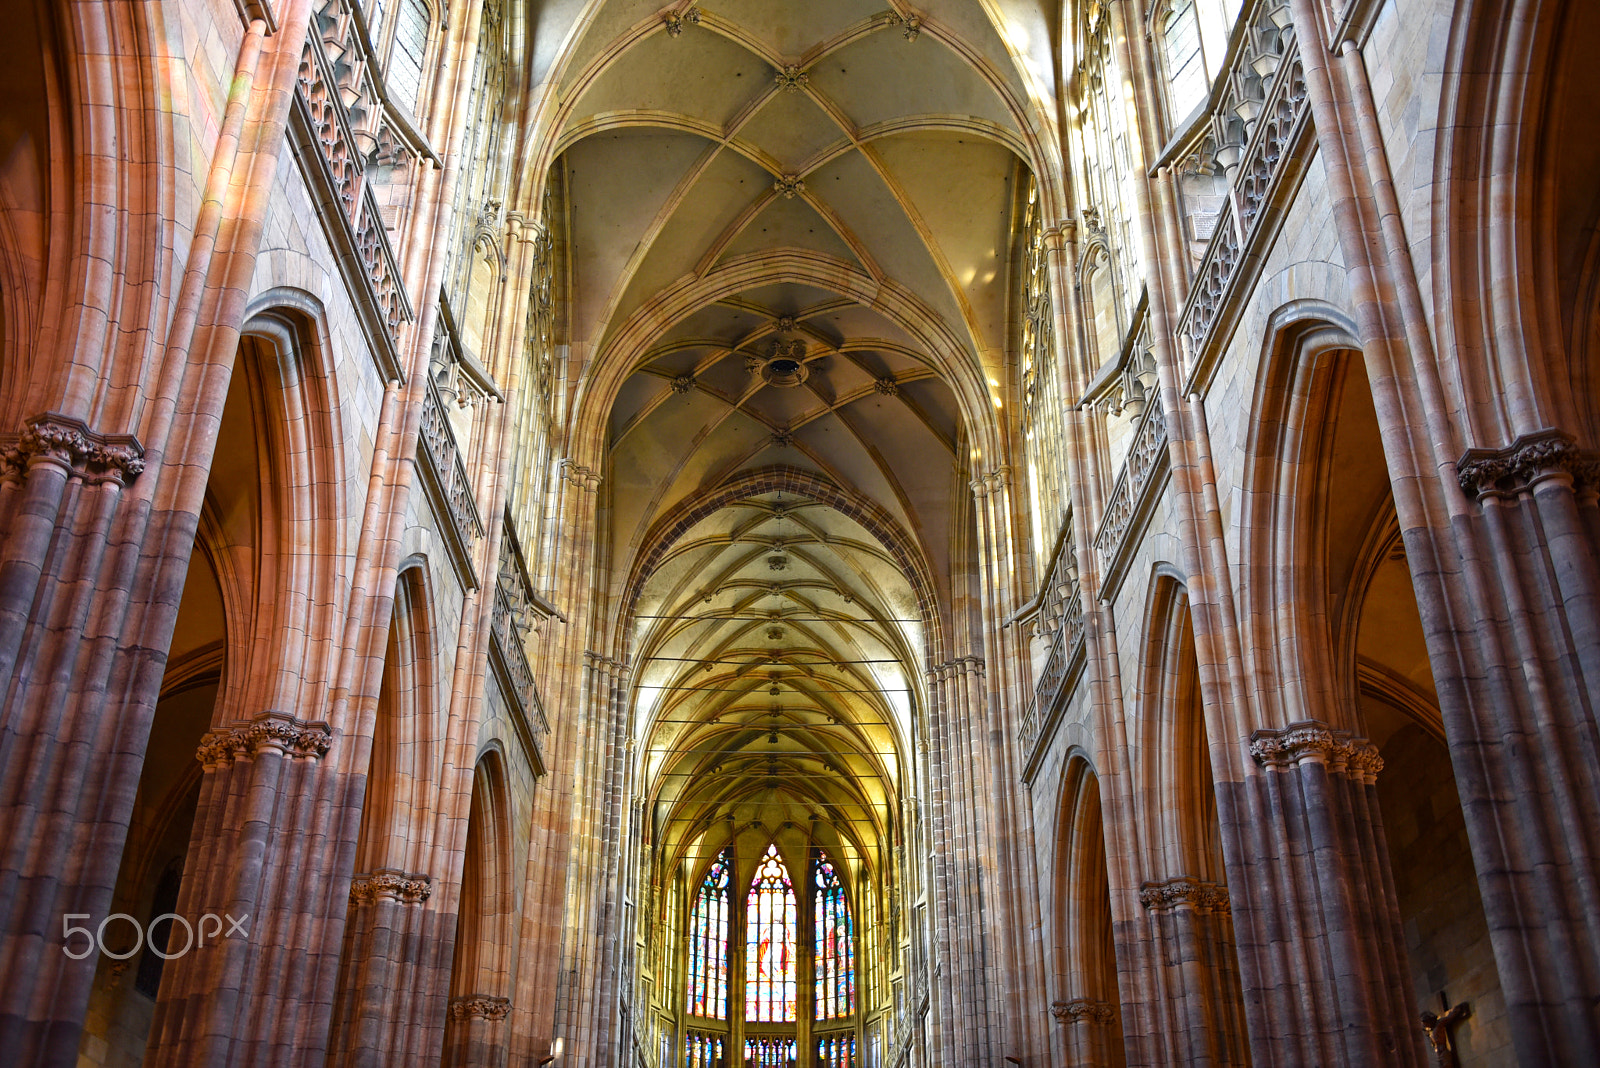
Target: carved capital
x,y
1184,892
1313,742
391,884
277,731
1083,1010
961,665
479,1006
1528,460
69,443
991,481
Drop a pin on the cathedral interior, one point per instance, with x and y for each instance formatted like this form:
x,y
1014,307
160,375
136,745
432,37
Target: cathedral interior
x,y
778,533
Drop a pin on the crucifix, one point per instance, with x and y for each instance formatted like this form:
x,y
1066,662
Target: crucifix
x,y
1438,1028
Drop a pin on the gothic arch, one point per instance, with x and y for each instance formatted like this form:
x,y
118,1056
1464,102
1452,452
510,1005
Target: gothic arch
x,y
944,347
1174,743
1310,356
63,294
1516,200
477,1031
1085,1001
803,483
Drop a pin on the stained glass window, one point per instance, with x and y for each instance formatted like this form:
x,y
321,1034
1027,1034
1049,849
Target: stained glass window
x,y
835,944
702,1050
836,1051
769,1051
708,942
769,986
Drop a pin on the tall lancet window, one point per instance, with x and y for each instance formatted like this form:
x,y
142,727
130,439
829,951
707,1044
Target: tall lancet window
x,y
708,942
836,955
769,983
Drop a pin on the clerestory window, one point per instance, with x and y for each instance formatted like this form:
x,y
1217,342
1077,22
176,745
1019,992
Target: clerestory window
x,y
770,920
708,942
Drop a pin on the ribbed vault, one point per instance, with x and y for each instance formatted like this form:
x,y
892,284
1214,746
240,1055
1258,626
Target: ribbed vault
x,y
790,235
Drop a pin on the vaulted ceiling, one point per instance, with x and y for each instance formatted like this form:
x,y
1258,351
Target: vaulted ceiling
x,y
791,220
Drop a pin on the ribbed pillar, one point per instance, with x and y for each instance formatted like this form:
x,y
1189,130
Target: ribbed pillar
x,y
385,1007
1322,925
1195,1016
1090,1028
254,861
477,1033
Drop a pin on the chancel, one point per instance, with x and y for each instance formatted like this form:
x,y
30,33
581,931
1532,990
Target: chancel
x,y
799,533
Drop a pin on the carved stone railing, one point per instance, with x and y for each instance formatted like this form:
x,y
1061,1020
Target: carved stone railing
x,y
447,477
346,122
1257,115
1060,619
1130,497
517,609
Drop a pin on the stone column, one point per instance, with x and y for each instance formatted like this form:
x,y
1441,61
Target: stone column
x,y
1504,535
475,1033
1190,929
387,931
1090,1028
100,494
1323,935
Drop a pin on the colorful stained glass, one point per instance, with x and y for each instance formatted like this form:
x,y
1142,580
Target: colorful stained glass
x,y
708,941
835,944
769,986
702,1050
769,1052
836,1051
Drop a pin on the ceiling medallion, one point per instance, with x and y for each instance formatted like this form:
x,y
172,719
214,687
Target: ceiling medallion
x,y
791,78
789,186
675,23
785,363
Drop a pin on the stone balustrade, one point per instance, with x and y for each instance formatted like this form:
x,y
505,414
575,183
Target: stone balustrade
x,y
340,103
1257,116
1059,618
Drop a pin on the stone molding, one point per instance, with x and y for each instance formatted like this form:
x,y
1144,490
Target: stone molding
x,y
69,443
582,477
390,884
480,1006
1314,742
991,481
683,384
887,386
1083,1010
1526,462
269,730
1184,891
789,186
961,665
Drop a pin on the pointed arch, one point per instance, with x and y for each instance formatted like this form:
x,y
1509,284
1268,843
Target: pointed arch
x,y
709,940
771,937
833,942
